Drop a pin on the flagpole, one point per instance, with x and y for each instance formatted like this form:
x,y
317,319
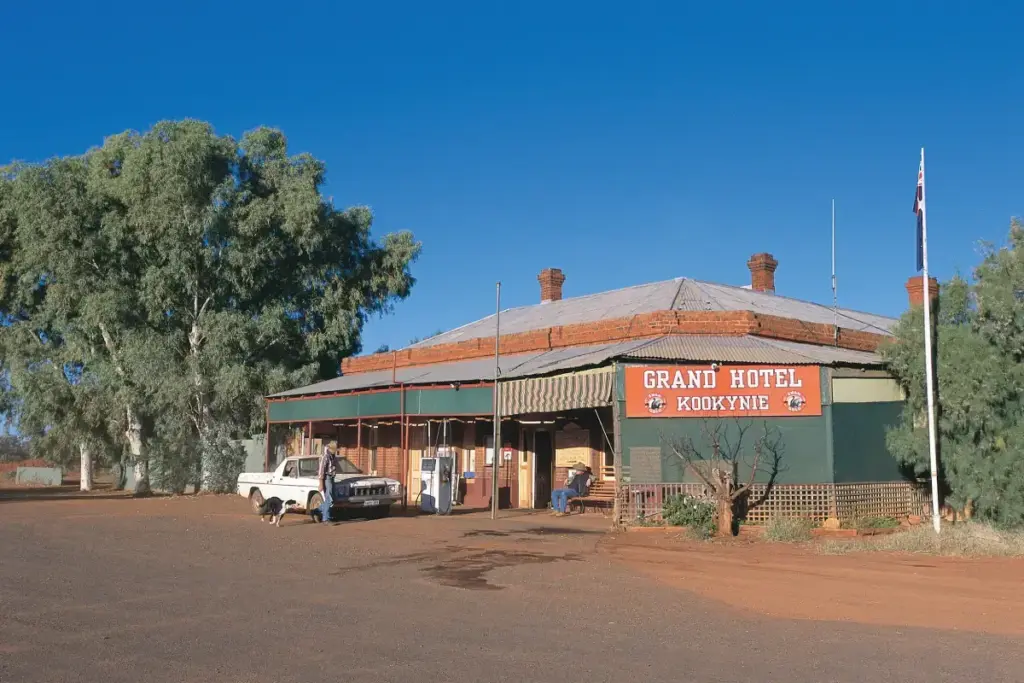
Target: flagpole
x,y
929,365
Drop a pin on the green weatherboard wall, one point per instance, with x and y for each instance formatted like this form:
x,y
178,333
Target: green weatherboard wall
x,y
469,401
803,458
845,444
858,435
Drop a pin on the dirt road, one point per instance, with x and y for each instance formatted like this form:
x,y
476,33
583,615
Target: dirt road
x,y
198,589
795,582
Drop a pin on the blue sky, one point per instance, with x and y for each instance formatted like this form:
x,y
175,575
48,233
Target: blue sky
x,y
622,142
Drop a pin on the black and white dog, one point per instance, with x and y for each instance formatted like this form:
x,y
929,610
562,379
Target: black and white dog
x,y
275,508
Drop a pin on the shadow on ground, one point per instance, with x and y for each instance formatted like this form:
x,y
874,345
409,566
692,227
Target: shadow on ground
x,y
458,567
66,492
533,531
470,571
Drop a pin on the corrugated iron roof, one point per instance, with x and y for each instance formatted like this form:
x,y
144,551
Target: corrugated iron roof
x,y
681,294
748,349
482,369
669,348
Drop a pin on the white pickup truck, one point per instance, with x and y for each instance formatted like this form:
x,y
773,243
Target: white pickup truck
x,y
295,479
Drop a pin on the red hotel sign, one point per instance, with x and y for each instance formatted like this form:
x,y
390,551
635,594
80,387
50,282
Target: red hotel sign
x,y
728,391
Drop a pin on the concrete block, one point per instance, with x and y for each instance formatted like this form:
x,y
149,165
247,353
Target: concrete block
x,y
40,476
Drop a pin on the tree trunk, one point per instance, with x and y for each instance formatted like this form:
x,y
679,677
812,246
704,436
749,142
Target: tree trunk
x,y
195,341
85,483
134,436
206,463
142,486
724,516
121,474
134,431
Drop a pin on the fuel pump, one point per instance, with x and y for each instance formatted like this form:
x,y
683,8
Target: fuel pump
x,y
437,474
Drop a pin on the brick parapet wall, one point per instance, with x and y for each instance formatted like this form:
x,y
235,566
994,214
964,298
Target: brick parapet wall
x,y
656,324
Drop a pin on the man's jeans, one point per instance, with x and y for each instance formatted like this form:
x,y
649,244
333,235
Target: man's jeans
x,y
560,498
325,507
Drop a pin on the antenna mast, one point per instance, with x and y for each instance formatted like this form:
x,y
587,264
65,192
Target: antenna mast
x,y
835,300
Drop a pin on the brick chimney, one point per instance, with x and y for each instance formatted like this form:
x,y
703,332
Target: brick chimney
x,y
762,272
915,290
550,280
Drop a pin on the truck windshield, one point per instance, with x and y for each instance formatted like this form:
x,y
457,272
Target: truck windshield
x,y
345,466
309,467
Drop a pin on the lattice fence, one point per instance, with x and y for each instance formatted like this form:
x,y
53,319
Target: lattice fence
x,y
809,501
891,499
644,502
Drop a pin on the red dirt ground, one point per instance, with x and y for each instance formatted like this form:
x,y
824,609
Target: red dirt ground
x,y
791,581
102,587
775,580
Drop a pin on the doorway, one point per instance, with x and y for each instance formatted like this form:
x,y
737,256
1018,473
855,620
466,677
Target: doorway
x,y
543,468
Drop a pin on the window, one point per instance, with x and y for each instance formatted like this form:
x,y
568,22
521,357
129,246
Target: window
x,y
309,467
488,454
289,469
469,460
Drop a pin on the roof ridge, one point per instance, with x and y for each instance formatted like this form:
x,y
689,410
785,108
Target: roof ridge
x,y
791,298
548,303
703,292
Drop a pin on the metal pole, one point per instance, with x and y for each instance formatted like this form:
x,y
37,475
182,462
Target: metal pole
x,y
618,512
495,463
930,382
403,440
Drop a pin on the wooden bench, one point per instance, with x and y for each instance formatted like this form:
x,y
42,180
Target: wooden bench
x,y
601,496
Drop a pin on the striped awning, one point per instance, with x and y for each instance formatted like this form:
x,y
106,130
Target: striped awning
x,y
585,389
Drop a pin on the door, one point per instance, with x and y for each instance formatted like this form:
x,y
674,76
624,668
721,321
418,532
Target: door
x,y
287,486
544,461
525,473
417,449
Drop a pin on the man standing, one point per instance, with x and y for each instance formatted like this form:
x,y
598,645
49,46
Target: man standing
x,y
325,477
576,486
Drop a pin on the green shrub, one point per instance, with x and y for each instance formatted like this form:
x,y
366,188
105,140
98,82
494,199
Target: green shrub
x,y
872,523
788,530
879,523
648,521
697,514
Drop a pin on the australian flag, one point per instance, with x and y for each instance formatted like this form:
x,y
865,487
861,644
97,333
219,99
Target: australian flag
x,y
919,211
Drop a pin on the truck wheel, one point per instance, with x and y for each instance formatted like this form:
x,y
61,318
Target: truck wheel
x,y
256,500
313,507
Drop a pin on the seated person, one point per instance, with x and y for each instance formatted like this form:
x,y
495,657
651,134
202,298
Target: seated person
x,y
576,486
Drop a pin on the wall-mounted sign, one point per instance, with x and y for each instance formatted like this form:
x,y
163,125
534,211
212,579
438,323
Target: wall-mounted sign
x,y
725,391
572,446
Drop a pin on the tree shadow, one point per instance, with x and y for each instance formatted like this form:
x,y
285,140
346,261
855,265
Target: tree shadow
x,y
730,463
532,531
25,494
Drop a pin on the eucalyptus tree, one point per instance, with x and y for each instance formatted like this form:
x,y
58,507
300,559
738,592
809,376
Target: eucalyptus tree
x,y
68,295
176,277
249,279
62,406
